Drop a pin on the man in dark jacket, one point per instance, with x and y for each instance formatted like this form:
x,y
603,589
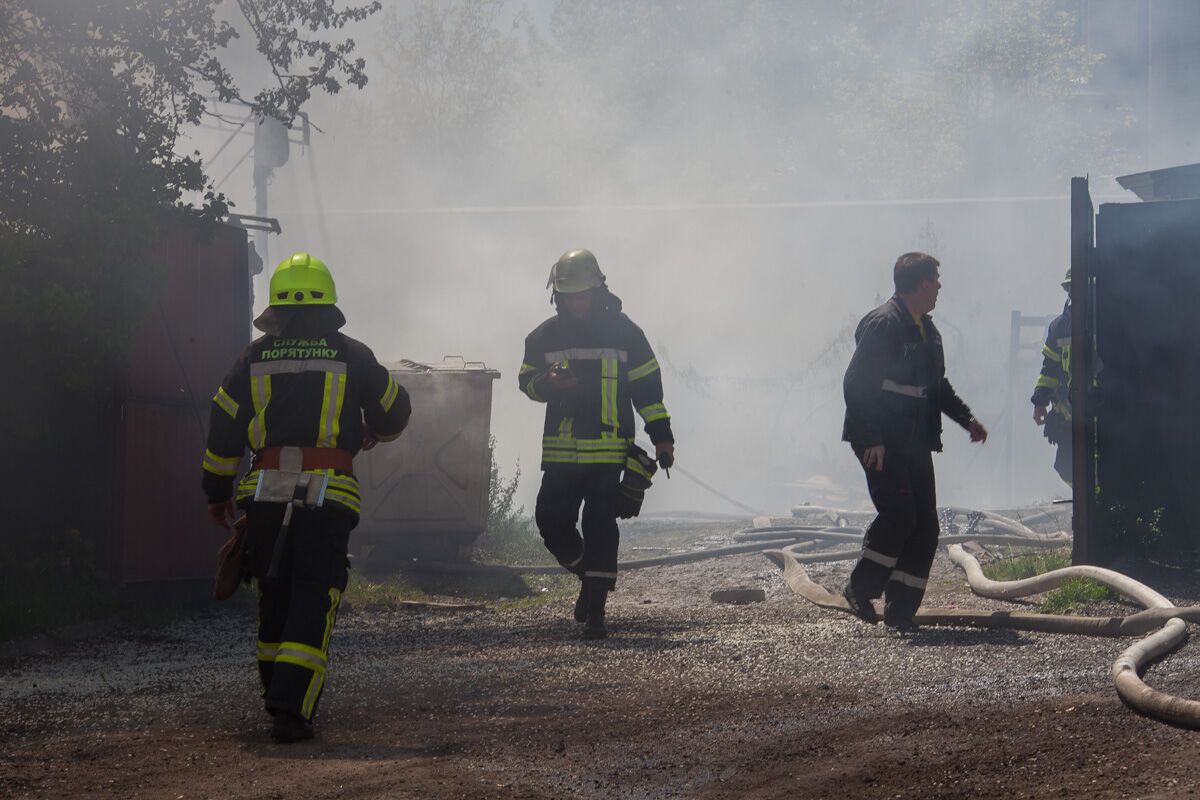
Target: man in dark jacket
x,y
1052,391
592,367
304,398
896,392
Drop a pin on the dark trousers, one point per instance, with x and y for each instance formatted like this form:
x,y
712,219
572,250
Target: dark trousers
x,y
297,609
900,544
591,555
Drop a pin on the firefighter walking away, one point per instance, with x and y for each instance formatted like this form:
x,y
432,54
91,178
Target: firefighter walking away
x,y
592,367
896,393
304,398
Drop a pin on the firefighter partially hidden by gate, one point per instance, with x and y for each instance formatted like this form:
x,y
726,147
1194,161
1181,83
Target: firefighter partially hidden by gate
x,y
1052,392
304,398
592,366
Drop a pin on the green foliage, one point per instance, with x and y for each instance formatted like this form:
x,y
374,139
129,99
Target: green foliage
x,y
58,583
510,536
1072,595
506,592
1026,566
94,97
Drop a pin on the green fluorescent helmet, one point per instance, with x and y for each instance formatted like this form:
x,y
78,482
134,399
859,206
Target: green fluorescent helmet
x,y
575,271
302,280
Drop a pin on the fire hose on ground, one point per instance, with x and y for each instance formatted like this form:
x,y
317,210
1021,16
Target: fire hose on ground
x,y
1163,621
789,546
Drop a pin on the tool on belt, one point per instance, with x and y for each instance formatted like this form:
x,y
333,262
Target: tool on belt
x,y
639,471
231,562
282,479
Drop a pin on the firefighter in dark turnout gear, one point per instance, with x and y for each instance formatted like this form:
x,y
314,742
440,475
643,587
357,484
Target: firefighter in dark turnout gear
x,y
304,398
1053,388
592,367
896,392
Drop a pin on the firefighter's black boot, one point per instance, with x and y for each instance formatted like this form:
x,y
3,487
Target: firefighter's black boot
x,y
288,728
594,628
581,604
860,606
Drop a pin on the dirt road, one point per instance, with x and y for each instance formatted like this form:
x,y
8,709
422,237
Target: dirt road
x,y
688,699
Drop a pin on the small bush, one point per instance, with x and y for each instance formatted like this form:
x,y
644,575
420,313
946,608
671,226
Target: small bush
x,y
510,535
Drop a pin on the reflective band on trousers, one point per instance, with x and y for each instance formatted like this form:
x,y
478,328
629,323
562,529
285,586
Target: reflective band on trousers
x,y
908,580
587,354
890,385
590,574
290,366
879,558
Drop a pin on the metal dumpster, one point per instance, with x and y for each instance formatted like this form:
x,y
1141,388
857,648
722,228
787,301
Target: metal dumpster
x,y
425,495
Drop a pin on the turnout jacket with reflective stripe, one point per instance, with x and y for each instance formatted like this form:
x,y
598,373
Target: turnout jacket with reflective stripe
x,y
300,392
617,373
895,387
1053,387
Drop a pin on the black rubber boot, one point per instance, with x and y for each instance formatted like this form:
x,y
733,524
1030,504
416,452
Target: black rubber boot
x,y
581,604
594,628
860,606
289,728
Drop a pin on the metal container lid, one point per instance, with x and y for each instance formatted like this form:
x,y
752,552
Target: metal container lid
x,y
455,365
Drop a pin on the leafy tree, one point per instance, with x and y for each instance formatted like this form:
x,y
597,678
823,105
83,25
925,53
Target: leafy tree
x,y
94,97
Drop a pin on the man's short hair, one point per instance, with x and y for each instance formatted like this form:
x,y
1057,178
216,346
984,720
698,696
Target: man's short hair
x,y
913,268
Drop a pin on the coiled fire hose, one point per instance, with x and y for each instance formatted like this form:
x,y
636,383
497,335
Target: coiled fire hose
x,y
1161,619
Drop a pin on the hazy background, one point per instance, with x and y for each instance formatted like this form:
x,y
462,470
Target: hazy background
x,y
746,174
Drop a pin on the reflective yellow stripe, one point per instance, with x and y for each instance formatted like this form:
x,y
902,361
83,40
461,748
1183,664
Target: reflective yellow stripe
x,y
389,394
1050,354
225,402
343,498
1046,382
331,409
267,651
633,465
532,392
218,465
260,393
654,412
645,369
527,368
608,397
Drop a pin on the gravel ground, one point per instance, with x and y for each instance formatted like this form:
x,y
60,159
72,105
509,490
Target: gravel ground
x,y
687,699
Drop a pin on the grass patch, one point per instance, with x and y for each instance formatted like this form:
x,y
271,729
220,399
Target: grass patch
x,y
1017,567
1073,594
502,592
1076,593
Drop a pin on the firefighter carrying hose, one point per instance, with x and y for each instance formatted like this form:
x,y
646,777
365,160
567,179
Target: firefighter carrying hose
x,y
304,398
896,392
592,367
1053,388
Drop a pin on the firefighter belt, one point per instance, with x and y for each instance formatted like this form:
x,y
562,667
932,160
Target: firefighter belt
x,y
290,485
